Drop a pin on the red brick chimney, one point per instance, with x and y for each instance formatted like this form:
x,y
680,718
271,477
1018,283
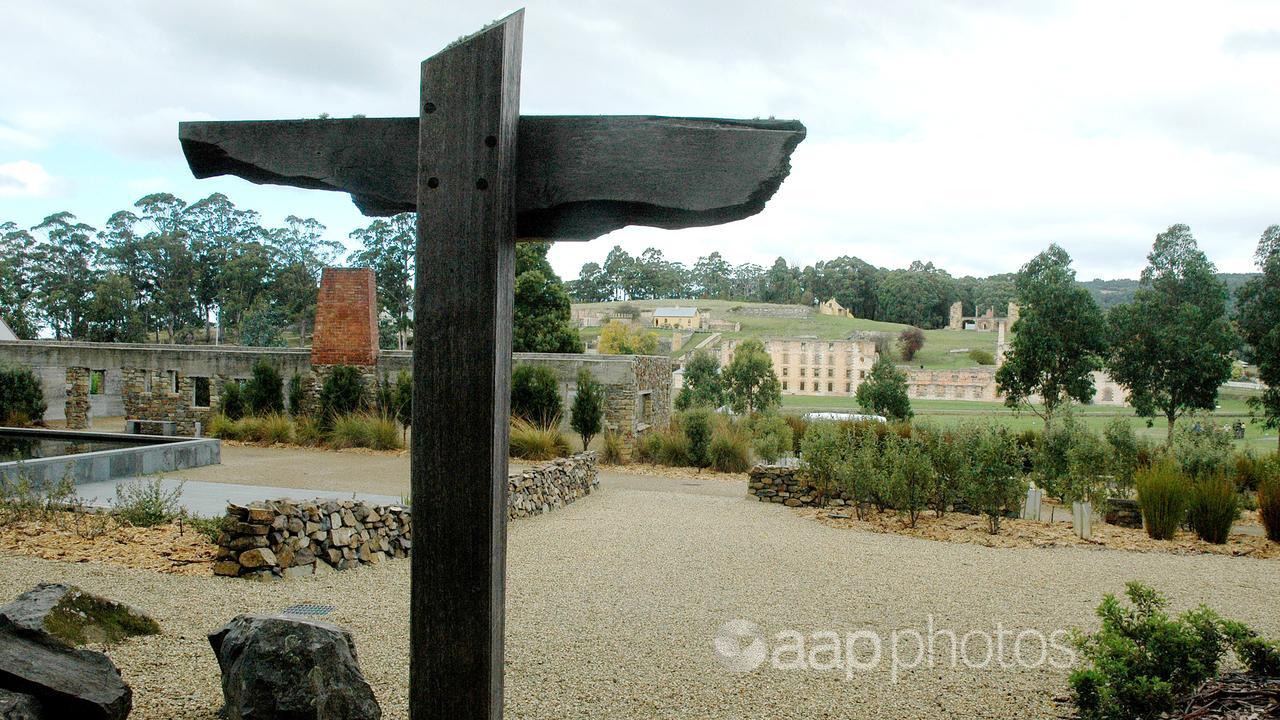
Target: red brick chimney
x,y
346,318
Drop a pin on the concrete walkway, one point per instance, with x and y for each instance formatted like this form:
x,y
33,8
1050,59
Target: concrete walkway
x,y
210,499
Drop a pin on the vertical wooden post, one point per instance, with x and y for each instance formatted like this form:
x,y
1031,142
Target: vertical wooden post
x,y
462,373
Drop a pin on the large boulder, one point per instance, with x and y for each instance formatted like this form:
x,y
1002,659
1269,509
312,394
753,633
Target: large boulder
x,y
17,706
276,668
69,682
76,617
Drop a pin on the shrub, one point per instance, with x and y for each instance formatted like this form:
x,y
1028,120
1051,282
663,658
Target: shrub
x,y
264,391
343,393
146,502
586,416
221,426
730,450
1212,507
771,437
798,427
994,484
535,394
822,455
383,433
297,397
611,448
911,478
1269,507
21,397
231,404
982,357
1163,494
946,453
1250,471
531,441
1142,661
307,431
1125,451
697,427
673,448
1088,459
1204,450
649,447
402,399
910,341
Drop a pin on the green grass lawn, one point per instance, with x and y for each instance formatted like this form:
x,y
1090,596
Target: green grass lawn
x,y
935,354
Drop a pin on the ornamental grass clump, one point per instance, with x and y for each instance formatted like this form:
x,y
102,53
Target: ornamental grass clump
x,y
730,450
1269,506
532,441
1163,494
222,427
611,448
275,428
1212,507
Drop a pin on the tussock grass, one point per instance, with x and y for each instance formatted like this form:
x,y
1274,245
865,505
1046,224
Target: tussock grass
x,y
530,441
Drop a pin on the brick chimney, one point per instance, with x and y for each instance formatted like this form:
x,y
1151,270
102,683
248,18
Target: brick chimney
x,y
346,318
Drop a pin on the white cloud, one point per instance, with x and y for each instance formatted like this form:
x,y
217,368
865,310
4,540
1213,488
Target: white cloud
x,y
23,179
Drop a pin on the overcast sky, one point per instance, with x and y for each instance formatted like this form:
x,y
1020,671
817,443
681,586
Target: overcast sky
x,y
971,134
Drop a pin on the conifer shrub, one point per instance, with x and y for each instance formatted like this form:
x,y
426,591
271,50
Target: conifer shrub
x,y
264,390
231,403
297,397
1212,507
535,394
698,426
21,397
1163,494
342,394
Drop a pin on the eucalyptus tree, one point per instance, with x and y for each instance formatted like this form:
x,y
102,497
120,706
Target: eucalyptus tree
x,y
387,246
64,273
1258,304
1171,346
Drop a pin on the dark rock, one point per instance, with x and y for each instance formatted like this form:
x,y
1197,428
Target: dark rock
x,y
274,667
18,706
70,682
75,617
578,177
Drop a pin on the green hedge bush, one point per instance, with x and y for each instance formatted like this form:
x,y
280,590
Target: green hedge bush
x,y
535,394
1212,508
21,397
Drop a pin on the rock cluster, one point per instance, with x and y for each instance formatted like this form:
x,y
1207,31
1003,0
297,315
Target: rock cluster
x,y
275,667
547,487
772,483
42,672
283,538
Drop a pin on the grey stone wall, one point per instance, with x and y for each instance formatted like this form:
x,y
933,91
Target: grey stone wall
x,y
637,388
283,538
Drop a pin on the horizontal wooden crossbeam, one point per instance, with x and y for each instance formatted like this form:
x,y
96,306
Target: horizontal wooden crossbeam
x,y
578,177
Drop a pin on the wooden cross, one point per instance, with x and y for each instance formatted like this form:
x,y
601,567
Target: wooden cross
x,y
480,177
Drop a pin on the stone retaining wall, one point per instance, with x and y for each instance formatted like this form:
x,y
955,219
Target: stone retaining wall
x,y
275,538
547,487
284,538
787,486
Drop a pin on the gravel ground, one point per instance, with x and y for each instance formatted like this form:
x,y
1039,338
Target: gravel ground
x,y
613,603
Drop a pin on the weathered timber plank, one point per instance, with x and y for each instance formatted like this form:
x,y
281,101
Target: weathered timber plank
x,y
462,373
579,176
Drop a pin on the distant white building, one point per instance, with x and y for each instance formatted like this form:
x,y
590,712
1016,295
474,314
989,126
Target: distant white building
x,y
5,332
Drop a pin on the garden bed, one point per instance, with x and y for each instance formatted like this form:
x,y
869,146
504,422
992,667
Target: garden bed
x,y
77,537
1014,533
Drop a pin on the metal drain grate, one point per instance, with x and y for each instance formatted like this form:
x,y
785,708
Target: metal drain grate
x,y
308,609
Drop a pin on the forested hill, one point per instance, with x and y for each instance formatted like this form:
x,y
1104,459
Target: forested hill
x,y
1108,293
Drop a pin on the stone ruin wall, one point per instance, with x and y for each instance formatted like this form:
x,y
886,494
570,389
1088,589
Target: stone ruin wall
x,y
284,538
149,395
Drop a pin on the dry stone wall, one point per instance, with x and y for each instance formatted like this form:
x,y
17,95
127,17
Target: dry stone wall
x,y
787,486
276,538
284,538
77,405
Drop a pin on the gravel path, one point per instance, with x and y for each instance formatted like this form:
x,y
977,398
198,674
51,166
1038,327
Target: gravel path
x,y
613,603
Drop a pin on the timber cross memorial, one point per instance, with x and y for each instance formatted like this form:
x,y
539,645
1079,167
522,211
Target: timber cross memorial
x,y
481,177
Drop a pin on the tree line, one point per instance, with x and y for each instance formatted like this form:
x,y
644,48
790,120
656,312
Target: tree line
x,y
920,294
166,270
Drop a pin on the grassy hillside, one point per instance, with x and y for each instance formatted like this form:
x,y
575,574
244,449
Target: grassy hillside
x,y
765,320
